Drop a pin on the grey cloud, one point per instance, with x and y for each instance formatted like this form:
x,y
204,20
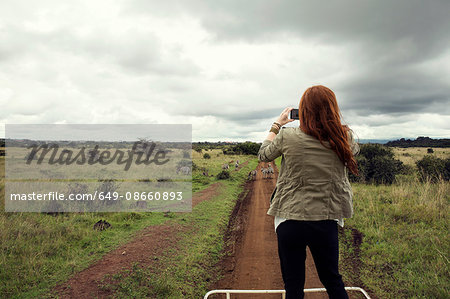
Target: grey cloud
x,y
137,51
337,21
385,38
398,92
236,115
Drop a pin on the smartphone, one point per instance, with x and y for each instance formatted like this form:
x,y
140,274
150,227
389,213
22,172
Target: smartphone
x,y
293,114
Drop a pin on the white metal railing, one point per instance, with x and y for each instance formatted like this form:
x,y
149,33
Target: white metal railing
x,y
282,292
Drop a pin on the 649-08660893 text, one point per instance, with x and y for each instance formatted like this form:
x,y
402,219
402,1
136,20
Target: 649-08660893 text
x,y
103,196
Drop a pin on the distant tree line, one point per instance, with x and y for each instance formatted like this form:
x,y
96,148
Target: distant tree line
x,y
206,145
419,142
244,148
229,148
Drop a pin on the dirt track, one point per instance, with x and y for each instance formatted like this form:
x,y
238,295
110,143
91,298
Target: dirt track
x,y
151,242
254,263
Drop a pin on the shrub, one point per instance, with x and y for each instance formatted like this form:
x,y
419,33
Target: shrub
x,y
447,170
223,175
382,170
376,164
407,169
206,156
433,168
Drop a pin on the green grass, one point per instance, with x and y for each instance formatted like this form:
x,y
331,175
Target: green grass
x,y
213,165
405,244
38,251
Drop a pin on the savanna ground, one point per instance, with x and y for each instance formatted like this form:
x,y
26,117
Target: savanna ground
x,y
395,246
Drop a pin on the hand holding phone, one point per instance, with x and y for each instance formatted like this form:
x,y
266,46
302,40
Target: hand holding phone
x,y
293,114
284,117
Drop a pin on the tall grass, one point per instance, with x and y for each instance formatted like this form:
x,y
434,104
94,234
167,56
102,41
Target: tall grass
x,y
405,247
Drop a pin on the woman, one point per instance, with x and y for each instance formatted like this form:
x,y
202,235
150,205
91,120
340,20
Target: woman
x,y
312,191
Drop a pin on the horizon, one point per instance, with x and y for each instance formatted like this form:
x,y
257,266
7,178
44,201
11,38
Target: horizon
x,y
363,140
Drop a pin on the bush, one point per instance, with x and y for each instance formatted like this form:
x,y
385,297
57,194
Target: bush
x,y
206,156
224,175
382,170
376,164
407,169
433,169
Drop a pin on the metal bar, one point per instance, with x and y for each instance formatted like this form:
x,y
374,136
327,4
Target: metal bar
x,y
282,292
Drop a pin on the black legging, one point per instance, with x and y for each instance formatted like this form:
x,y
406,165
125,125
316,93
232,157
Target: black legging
x,y
322,239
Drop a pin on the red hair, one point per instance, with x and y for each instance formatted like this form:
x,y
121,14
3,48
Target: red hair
x,y
320,117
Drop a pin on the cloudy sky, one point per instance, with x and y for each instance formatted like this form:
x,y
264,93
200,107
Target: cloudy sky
x,y
227,67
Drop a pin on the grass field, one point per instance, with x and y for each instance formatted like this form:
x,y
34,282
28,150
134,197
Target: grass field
x,y
37,251
396,245
411,155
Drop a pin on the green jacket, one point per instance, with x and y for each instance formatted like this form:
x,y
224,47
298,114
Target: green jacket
x,y
312,182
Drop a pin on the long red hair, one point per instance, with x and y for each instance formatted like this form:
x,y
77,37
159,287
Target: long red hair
x,y
320,117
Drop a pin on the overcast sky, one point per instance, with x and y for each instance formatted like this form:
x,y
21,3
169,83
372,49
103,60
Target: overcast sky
x,y
227,67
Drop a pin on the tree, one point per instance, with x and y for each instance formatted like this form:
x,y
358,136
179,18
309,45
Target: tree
x,y
376,164
433,168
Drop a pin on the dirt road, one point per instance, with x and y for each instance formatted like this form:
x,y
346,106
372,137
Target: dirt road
x,y
254,262
153,239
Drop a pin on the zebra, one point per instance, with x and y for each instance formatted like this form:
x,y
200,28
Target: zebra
x,y
184,170
252,175
264,172
269,171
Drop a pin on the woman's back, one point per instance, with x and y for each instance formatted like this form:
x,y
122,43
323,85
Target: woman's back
x,y
305,156
312,182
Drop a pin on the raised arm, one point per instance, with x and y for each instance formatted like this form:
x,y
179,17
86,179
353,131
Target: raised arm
x,y
271,147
